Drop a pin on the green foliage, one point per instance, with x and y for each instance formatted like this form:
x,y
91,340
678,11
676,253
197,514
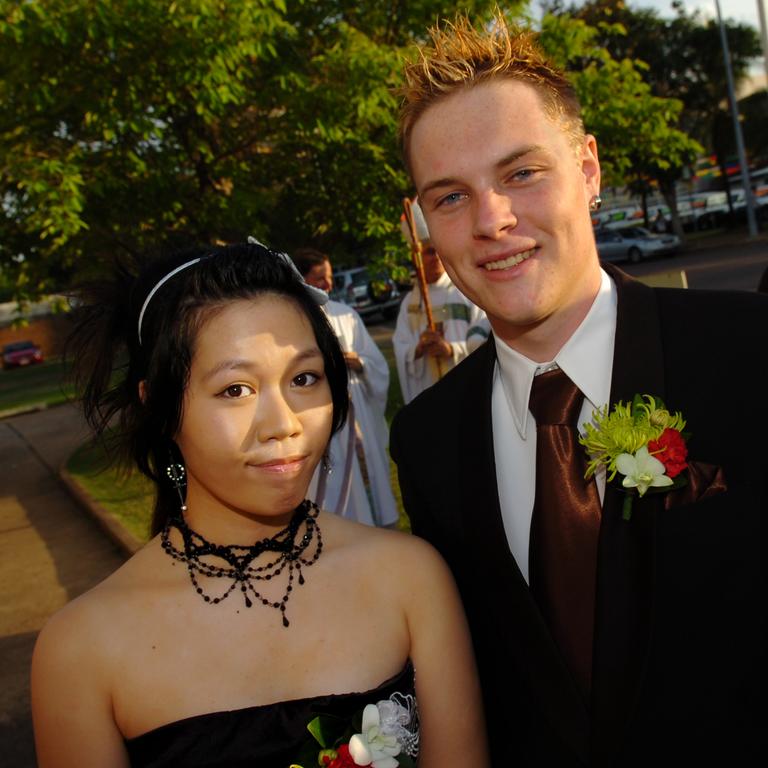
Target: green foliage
x,y
145,124
125,125
682,56
636,130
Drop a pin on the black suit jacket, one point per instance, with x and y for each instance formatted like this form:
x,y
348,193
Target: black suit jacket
x,y
681,625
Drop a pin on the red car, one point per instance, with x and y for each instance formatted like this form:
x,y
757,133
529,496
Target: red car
x,y
21,353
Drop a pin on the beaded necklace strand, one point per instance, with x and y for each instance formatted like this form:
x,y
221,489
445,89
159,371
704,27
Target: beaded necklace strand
x,y
239,559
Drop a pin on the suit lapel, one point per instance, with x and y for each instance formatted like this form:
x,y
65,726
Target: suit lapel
x,y
525,640
626,551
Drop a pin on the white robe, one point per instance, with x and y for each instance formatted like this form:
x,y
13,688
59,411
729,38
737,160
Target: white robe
x,y
465,327
368,392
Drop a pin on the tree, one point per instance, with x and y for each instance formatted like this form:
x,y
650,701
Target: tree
x,y
128,125
147,124
683,60
636,130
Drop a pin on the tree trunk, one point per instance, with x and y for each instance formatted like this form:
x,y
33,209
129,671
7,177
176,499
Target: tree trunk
x,y
644,198
727,185
670,197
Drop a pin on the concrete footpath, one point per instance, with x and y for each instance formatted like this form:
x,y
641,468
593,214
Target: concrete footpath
x,y
51,550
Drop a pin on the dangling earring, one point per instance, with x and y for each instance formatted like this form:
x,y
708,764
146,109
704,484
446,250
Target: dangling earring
x,y
178,476
327,464
595,203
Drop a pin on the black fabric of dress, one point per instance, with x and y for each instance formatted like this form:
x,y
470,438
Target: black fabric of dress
x,y
267,736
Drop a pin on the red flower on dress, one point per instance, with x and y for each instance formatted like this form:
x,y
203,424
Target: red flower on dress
x,y
342,760
670,450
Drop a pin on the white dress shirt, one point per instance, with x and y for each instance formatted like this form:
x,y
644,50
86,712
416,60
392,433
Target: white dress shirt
x,y
587,359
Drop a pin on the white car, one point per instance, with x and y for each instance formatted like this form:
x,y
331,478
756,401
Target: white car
x,y
367,294
633,244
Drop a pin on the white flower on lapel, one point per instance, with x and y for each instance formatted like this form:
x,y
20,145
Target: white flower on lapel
x,y
374,746
642,471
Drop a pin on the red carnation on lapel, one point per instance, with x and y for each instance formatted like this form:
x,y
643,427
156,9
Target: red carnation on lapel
x,y
670,450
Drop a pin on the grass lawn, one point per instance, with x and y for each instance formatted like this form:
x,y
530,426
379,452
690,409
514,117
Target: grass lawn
x,y
394,404
34,384
394,395
129,497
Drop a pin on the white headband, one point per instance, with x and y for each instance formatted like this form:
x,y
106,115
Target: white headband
x,y
319,297
159,285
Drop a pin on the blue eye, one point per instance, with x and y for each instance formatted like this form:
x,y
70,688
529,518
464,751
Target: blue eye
x,y
524,174
305,379
453,197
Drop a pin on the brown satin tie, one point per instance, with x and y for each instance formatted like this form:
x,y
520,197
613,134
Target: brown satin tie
x,y
565,524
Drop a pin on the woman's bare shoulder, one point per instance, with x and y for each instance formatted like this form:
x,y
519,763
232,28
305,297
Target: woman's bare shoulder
x,y
402,554
103,609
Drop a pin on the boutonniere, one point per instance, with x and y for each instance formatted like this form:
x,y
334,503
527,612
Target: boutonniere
x,y
641,441
383,735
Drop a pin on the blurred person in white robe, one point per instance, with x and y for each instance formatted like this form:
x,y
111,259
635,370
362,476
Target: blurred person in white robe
x,y
424,356
358,484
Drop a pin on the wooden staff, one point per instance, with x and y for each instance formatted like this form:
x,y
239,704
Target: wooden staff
x,y
420,277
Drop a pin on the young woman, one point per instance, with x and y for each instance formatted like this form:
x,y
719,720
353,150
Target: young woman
x,y
251,614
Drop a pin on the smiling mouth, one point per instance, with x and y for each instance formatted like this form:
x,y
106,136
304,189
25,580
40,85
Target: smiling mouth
x,y
510,261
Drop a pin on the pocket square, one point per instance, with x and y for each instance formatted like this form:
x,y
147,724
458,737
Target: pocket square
x,y
704,481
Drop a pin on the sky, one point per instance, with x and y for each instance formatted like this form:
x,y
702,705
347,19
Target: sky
x,y
738,10
743,11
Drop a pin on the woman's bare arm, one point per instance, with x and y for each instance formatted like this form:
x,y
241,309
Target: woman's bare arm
x,y
71,700
447,688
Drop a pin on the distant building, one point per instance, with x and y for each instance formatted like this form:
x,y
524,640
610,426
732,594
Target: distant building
x,y
43,322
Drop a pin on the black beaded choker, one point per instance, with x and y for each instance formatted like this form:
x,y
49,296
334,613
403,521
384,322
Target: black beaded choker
x,y
240,559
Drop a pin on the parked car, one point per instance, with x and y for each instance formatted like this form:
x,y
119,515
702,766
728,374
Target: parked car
x,y
21,353
633,244
366,293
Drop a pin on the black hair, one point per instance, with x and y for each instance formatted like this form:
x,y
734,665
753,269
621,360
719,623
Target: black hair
x,y
307,258
109,361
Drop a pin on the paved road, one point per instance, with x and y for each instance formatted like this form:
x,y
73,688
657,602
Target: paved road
x,y
50,552
714,265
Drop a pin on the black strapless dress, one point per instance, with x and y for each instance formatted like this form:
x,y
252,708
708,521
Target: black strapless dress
x,y
268,736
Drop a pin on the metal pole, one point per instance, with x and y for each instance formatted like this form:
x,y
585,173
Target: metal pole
x,y
751,220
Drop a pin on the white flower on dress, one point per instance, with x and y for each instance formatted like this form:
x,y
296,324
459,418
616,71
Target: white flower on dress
x,y
642,471
374,746
400,716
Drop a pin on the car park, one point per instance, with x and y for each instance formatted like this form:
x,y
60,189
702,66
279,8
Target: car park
x,y
633,244
20,353
366,293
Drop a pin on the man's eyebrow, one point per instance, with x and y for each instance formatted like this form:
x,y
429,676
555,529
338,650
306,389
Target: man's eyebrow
x,y
449,181
243,364
513,157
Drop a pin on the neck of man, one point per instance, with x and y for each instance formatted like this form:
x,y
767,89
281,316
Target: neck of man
x,y
542,341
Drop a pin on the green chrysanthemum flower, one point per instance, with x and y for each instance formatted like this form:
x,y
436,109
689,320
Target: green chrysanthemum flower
x,y
626,429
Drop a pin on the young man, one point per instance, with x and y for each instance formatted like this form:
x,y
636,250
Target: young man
x,y
358,486
424,356
601,641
